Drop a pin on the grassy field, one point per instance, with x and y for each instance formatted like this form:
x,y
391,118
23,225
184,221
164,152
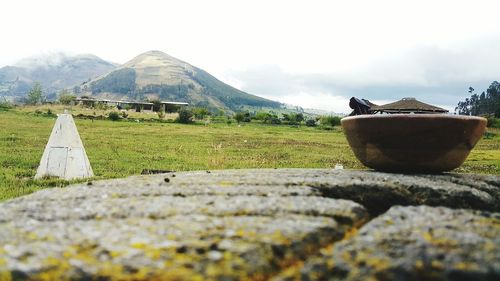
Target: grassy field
x,y
122,148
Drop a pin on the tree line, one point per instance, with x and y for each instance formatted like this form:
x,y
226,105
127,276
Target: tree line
x,y
485,104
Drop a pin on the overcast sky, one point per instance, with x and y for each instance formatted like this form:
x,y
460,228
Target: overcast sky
x,y
315,54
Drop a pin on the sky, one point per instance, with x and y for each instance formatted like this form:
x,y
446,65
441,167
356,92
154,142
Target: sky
x,y
311,53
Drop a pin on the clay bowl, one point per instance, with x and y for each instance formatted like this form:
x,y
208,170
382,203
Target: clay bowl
x,y
428,143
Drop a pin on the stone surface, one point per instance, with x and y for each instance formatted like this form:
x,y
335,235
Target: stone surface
x,y
376,191
415,243
379,191
247,224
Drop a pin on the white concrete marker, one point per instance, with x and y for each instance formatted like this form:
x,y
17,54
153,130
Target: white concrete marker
x,y
64,155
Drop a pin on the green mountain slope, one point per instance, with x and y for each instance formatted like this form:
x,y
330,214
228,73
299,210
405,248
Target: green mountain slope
x,y
54,72
156,75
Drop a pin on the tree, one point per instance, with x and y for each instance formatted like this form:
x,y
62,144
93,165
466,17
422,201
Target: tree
x,y
293,118
310,122
185,116
493,98
239,116
330,120
485,104
35,94
262,116
200,112
242,117
157,106
114,116
66,98
299,117
5,105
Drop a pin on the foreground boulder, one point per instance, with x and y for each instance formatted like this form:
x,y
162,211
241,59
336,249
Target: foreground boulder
x,y
255,224
416,243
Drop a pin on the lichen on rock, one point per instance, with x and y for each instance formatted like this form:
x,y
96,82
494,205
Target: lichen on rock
x,y
415,243
311,224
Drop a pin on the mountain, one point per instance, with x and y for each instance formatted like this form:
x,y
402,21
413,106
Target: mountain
x,y
54,72
156,75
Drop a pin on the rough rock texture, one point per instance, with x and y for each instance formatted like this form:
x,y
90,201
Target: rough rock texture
x,y
256,224
415,243
376,191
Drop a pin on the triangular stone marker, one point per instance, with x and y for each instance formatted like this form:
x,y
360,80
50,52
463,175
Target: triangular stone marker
x,y
64,156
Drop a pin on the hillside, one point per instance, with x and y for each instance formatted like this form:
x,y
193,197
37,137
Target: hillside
x,y
156,75
54,72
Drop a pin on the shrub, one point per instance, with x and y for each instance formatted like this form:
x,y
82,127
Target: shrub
x,y
310,123
492,121
489,135
200,112
293,118
330,120
275,120
242,117
114,116
5,105
161,113
66,98
299,117
156,105
262,116
185,116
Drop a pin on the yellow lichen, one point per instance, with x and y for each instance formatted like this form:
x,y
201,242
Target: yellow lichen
x,y
350,233
437,265
278,237
442,243
226,184
56,269
465,266
175,274
419,265
5,276
115,254
293,271
32,236
427,236
138,245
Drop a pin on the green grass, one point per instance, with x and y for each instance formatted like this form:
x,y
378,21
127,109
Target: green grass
x,y
118,149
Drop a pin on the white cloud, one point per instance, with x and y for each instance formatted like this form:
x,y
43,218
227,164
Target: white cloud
x,y
335,48
43,60
323,101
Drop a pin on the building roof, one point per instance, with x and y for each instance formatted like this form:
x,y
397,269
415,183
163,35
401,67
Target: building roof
x,y
174,103
129,102
408,105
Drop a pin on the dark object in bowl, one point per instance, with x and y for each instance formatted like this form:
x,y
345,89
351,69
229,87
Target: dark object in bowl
x,y
413,142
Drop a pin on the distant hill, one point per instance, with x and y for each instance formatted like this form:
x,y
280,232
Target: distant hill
x,y
55,72
156,75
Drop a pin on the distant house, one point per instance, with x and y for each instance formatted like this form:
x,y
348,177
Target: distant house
x,y
167,106
172,106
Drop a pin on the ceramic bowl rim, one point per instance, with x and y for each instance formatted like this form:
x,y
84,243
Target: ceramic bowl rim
x,y
413,116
